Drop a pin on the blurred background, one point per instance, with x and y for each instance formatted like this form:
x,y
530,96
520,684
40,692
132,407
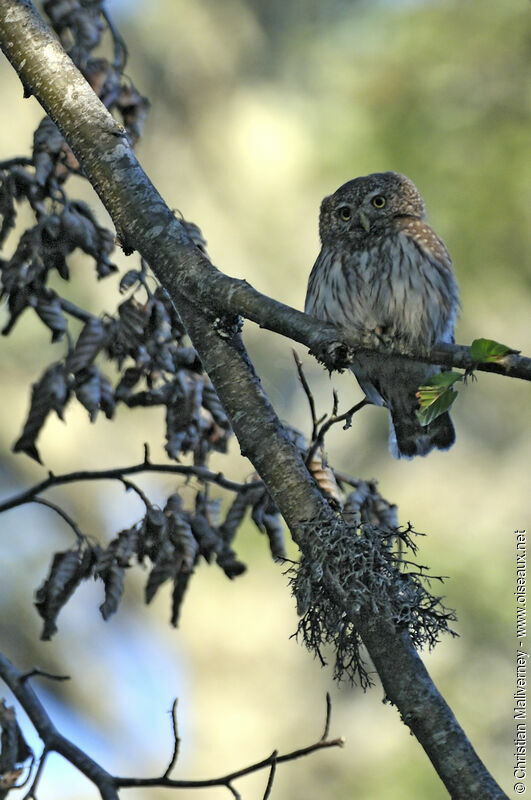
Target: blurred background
x,y
259,109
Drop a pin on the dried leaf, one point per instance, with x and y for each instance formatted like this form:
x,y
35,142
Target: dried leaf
x,y
67,570
325,479
275,533
129,279
51,393
166,567
207,538
14,750
49,310
107,401
228,562
90,342
128,380
235,514
180,585
88,390
113,579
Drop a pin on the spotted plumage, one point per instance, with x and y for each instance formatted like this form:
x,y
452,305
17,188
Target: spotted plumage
x,y
384,273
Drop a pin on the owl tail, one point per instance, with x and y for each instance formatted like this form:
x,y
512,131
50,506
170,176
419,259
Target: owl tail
x,y
408,438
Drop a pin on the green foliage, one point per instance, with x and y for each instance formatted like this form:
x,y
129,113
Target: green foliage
x,y
437,396
487,350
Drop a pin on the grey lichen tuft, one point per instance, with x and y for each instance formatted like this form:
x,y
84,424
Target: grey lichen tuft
x,y
355,569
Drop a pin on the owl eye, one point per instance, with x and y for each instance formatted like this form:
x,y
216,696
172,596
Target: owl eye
x,y
344,212
378,201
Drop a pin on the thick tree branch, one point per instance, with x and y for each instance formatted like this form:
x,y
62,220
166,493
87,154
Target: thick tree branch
x,y
146,224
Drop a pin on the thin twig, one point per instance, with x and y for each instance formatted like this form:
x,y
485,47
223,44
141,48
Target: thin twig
x,y
272,772
130,486
343,477
58,510
17,161
36,779
326,731
307,391
53,740
119,46
333,420
225,780
118,473
176,739
36,672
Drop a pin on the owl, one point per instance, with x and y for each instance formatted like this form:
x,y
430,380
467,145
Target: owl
x,y
384,274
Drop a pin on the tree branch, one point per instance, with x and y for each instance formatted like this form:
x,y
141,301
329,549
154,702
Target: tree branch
x,y
270,762
52,739
118,474
108,784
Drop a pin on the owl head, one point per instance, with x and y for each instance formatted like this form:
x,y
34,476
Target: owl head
x,y
367,206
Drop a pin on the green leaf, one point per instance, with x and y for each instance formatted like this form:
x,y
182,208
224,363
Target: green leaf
x,y
437,396
486,350
444,379
433,407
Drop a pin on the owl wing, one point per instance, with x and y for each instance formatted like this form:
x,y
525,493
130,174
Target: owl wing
x,y
427,241
442,284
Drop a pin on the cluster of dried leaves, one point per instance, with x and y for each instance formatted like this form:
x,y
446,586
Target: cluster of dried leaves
x,y
137,356
169,541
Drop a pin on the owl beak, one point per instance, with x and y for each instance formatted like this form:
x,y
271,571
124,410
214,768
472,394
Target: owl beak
x,y
364,219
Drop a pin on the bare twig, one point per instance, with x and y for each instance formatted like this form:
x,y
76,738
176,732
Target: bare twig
x,y
118,473
176,739
108,784
333,419
75,311
326,731
36,672
307,392
343,477
35,782
272,772
119,46
226,780
318,433
17,161
53,740
130,486
58,510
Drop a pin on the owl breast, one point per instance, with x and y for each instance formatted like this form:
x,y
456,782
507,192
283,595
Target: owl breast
x,y
392,287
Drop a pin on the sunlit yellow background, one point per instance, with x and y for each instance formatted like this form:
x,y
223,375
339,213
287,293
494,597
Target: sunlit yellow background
x,y
259,109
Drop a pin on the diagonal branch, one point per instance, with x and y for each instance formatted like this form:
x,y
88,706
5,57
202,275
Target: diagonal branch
x,y
52,739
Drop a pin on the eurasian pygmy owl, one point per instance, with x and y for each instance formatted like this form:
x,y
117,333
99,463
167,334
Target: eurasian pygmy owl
x,y
384,274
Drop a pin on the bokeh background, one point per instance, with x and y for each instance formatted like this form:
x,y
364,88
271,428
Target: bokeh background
x,y
259,109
